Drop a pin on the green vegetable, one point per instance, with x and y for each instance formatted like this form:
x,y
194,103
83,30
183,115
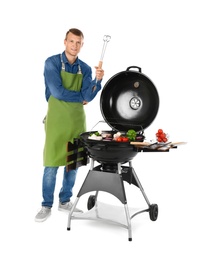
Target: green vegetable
x,y
96,133
131,134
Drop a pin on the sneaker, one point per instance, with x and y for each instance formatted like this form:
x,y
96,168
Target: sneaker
x,y
43,214
67,207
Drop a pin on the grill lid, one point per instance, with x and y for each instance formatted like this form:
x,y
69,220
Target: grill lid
x,y
129,100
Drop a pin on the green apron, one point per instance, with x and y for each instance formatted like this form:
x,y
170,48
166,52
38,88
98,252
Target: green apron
x,y
64,122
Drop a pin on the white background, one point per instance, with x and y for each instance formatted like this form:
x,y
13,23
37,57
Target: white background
x,y
165,39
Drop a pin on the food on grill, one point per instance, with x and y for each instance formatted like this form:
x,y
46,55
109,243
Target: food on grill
x,y
130,135
117,135
95,137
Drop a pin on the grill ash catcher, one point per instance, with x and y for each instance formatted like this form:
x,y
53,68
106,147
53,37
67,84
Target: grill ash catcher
x,y
129,100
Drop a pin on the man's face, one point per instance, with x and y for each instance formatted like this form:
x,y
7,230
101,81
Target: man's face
x,y
73,44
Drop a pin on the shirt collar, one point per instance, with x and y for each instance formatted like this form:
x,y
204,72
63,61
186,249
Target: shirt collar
x,y
65,60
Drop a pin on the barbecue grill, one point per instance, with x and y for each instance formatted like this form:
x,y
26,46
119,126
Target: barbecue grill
x,y
129,100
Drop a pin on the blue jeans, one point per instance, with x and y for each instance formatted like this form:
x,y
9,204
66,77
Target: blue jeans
x,y
49,182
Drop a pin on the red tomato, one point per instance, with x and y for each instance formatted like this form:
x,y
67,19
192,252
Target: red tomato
x,y
159,139
125,139
162,135
119,139
160,131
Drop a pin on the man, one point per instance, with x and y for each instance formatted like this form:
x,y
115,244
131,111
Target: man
x,y
68,87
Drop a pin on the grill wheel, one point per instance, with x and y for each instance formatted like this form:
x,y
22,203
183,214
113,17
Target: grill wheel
x,y
91,202
153,212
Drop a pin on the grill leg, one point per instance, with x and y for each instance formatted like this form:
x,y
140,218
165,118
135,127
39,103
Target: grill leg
x,y
71,212
128,222
139,184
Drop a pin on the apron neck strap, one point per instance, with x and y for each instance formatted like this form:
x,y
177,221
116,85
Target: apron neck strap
x,y
79,69
63,65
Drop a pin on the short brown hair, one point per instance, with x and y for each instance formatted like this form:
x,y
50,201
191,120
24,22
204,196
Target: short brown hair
x,y
74,31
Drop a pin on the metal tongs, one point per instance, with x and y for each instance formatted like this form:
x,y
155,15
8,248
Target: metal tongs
x,y
106,39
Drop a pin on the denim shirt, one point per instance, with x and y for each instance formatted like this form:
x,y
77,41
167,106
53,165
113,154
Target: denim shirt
x,y
53,82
